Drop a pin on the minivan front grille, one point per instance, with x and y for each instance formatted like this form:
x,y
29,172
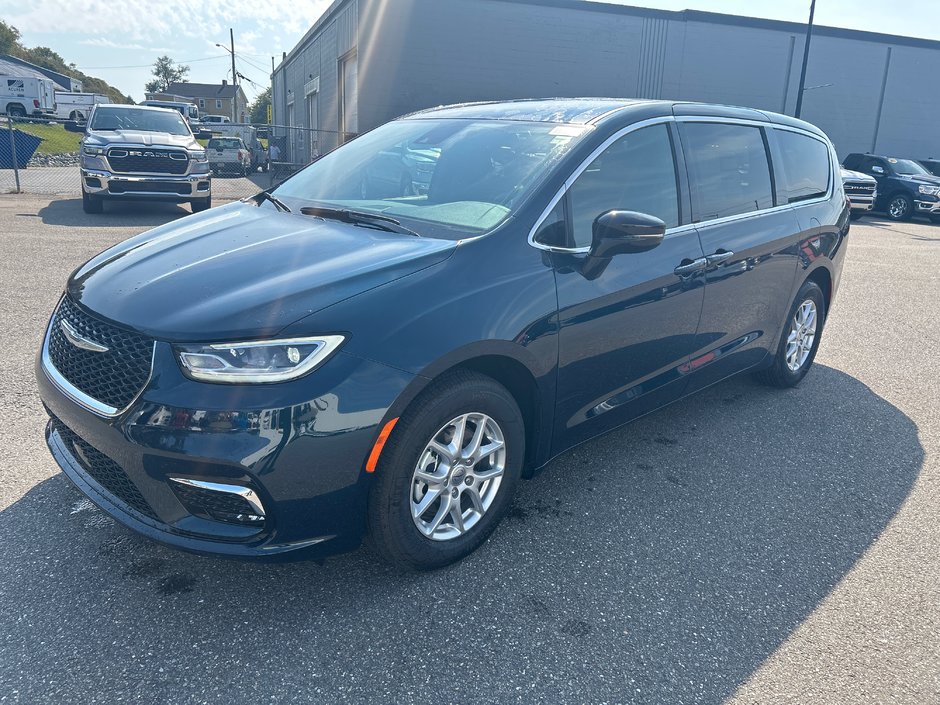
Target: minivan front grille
x,y
114,376
103,470
128,160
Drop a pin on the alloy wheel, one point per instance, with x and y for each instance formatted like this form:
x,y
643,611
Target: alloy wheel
x,y
898,208
802,335
457,476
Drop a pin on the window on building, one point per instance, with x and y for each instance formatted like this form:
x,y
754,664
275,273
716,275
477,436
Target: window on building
x,y
218,104
636,173
349,95
202,102
728,169
805,165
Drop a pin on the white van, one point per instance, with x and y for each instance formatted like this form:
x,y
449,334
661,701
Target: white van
x,y
189,111
22,96
76,106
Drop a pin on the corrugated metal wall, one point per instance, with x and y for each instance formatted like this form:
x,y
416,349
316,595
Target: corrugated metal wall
x,y
415,54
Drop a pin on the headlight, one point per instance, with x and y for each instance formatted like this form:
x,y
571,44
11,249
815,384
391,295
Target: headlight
x,y
198,156
93,151
256,362
929,190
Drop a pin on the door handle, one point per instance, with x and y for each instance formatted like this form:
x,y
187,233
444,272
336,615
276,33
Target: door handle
x,y
690,266
719,257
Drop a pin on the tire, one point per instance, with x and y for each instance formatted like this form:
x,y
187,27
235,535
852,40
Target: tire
x,y
900,207
199,205
16,111
397,492
782,373
76,116
92,204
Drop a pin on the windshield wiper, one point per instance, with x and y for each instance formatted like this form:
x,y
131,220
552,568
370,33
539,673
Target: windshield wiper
x,y
373,220
266,196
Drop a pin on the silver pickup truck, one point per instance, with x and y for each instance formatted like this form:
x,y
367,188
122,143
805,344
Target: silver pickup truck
x,y
133,152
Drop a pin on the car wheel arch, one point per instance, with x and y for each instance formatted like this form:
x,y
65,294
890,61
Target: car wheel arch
x,y
512,371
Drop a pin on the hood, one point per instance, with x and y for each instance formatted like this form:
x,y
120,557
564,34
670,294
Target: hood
x,y
921,178
150,139
240,272
848,174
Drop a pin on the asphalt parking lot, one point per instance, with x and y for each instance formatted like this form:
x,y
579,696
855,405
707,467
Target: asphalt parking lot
x,y
747,545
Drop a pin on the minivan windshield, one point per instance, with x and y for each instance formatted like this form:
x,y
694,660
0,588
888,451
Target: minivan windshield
x,y
139,119
465,175
908,167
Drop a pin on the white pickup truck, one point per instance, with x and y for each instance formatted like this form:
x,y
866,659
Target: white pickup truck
x,y
228,154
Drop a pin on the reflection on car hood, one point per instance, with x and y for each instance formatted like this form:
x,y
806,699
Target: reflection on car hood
x,y
849,175
922,178
150,139
240,271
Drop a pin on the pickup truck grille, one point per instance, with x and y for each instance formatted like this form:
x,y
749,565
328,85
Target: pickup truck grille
x,y
130,160
859,189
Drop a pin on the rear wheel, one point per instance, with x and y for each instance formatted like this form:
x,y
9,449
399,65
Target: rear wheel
x,y
17,111
92,204
448,472
900,207
799,339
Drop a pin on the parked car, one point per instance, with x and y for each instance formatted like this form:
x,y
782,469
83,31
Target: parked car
x,y
77,106
189,111
228,154
276,377
861,190
214,120
248,135
905,188
132,152
932,165
23,96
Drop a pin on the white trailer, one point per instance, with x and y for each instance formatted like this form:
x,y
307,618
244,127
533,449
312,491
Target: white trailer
x,y
76,106
22,96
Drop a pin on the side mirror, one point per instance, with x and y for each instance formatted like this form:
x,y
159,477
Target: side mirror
x,y
878,170
625,232
73,126
204,134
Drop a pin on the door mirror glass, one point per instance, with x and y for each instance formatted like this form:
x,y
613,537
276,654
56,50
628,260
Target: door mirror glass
x,y
626,232
878,171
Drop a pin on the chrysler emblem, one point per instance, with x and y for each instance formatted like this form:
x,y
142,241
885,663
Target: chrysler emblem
x,y
79,340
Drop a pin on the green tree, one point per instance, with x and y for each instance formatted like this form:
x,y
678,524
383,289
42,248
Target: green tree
x,y
9,39
165,72
258,110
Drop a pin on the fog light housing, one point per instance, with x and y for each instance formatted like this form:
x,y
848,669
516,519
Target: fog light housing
x,y
230,504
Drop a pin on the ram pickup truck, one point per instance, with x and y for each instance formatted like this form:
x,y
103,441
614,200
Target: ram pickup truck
x,y
861,190
228,154
905,188
131,152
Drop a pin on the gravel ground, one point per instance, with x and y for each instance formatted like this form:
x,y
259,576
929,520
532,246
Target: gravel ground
x,y
747,545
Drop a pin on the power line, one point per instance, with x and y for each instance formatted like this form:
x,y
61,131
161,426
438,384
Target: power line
x,y
147,66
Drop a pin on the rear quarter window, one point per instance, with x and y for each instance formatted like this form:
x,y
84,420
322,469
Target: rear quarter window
x,y
806,167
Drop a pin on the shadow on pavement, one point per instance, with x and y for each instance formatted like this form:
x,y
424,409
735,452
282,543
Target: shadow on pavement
x,y
661,563
68,211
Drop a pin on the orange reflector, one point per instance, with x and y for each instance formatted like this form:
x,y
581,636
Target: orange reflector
x,y
379,445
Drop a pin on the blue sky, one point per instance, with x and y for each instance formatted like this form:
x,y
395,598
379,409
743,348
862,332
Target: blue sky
x,y
118,40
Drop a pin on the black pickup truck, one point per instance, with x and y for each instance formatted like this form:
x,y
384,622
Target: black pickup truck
x,y
905,188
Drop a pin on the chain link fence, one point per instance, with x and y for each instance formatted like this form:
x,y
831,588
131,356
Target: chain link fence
x,y
39,156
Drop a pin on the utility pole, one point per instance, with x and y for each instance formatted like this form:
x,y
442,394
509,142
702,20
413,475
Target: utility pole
x,y
809,38
231,36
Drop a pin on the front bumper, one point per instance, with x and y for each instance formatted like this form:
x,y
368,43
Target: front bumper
x,y
299,447
100,182
862,203
927,207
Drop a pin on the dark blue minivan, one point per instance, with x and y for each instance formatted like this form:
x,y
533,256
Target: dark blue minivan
x,y
278,376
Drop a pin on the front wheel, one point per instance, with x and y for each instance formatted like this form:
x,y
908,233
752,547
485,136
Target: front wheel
x,y
799,339
900,207
92,204
448,472
201,204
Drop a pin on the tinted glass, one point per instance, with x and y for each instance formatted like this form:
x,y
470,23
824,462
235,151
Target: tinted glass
x,y
461,175
728,168
907,167
805,165
636,173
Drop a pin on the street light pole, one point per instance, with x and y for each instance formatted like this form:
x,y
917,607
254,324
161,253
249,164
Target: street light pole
x,y
809,38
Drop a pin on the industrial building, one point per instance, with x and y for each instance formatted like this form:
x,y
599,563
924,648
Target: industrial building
x,y
365,62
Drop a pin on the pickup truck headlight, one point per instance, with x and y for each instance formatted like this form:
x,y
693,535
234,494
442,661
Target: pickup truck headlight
x,y
256,362
198,156
928,190
93,151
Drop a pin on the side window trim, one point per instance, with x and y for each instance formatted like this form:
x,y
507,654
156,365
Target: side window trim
x,y
581,168
832,162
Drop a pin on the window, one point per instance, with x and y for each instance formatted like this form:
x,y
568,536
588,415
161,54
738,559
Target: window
x,y
729,170
218,104
202,102
805,164
554,229
349,96
636,173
